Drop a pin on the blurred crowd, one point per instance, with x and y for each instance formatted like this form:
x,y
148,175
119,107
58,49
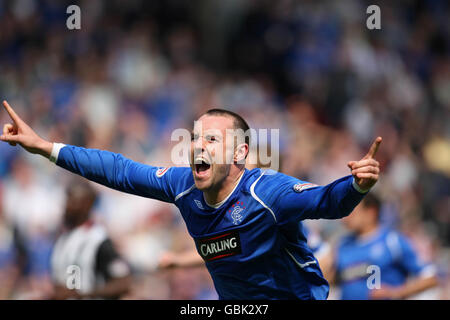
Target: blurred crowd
x,y
137,70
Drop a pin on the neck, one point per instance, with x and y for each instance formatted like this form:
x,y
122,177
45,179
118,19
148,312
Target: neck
x,y
72,224
368,230
214,197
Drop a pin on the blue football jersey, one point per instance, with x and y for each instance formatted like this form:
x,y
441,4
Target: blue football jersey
x,y
388,250
252,244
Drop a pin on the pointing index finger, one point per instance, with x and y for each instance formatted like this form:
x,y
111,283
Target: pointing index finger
x,y
373,148
11,112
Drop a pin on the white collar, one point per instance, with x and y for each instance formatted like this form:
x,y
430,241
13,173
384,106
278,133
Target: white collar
x,y
217,205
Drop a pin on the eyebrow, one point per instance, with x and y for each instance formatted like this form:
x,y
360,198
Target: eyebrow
x,y
207,134
211,131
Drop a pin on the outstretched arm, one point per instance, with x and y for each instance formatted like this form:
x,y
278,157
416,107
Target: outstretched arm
x,y
410,288
188,258
293,201
110,169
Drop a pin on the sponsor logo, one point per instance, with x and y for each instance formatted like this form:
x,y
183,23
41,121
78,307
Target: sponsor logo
x,y
219,246
161,171
235,211
299,187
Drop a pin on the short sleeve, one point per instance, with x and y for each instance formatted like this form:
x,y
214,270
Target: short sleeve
x,y
109,264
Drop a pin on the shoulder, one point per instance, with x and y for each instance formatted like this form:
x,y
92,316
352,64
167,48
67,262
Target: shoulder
x,y
180,178
391,237
266,177
270,182
397,243
94,230
395,237
270,187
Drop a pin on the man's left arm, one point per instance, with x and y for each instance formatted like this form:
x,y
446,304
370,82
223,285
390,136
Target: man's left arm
x,y
335,200
410,288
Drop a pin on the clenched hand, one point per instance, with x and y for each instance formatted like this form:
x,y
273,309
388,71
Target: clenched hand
x,y
366,170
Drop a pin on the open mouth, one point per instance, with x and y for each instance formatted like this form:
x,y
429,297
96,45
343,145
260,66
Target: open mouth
x,y
202,168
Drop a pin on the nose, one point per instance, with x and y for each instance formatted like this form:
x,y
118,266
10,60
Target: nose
x,y
198,143
198,146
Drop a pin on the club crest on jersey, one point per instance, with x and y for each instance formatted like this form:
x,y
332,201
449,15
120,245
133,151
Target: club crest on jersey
x,y
235,211
299,187
161,171
199,204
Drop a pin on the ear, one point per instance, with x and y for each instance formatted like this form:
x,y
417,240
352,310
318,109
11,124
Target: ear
x,y
240,153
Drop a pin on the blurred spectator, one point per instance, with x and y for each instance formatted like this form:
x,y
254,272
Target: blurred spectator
x,y
8,256
84,261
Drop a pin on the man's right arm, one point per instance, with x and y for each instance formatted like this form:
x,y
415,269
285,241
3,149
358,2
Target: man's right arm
x,y
107,168
115,171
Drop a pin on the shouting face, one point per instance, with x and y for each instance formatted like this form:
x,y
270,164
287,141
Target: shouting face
x,y
214,150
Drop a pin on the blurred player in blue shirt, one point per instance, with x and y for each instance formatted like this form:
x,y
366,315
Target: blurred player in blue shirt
x,y
374,262
245,223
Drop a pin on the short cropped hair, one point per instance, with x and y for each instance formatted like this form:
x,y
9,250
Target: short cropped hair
x,y
239,122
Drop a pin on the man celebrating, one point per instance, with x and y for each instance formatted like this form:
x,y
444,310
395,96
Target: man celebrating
x,y
244,222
